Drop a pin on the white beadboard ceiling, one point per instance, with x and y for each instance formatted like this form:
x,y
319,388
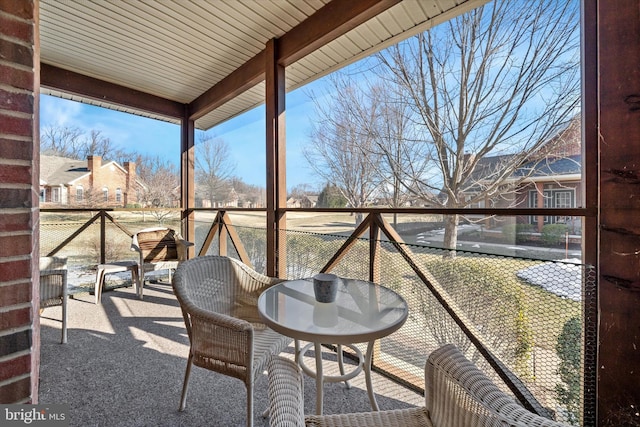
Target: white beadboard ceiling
x,y
177,49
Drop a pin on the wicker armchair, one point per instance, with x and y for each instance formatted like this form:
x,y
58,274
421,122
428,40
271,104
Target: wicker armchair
x,y
160,249
53,287
218,297
457,394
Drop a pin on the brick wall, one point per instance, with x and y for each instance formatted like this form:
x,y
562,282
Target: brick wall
x,y
111,176
19,218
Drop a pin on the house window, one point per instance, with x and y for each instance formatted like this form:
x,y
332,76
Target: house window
x,y
79,193
43,194
105,194
554,199
55,195
119,195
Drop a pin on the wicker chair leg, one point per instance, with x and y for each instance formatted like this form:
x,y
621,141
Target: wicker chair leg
x,y
64,320
250,404
185,386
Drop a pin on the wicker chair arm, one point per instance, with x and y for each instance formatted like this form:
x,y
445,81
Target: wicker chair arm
x,y
53,287
458,394
286,400
216,336
61,273
219,319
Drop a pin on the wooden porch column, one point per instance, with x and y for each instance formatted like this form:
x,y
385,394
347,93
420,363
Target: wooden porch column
x,y
187,178
618,98
276,163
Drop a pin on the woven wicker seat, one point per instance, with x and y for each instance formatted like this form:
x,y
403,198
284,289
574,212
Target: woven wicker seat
x,y
457,394
160,249
218,297
53,287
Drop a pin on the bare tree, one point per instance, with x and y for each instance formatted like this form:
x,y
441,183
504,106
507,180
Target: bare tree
x,y
498,81
63,141
96,144
393,153
301,190
250,195
71,142
341,147
214,168
161,185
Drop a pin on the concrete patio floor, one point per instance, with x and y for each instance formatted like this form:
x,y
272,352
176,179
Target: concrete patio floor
x,y
124,365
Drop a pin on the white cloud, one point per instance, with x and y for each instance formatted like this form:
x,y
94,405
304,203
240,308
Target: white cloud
x,y
59,112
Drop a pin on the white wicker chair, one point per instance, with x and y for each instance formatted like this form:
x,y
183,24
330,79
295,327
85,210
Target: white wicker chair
x,y
457,394
219,297
53,287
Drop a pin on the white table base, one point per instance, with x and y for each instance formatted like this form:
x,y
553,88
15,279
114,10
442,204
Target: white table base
x,y
318,374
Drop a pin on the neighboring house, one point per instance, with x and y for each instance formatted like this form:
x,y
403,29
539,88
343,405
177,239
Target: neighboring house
x,y
293,202
306,202
72,182
551,180
232,200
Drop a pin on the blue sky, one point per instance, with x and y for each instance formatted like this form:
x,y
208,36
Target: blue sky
x,y
244,134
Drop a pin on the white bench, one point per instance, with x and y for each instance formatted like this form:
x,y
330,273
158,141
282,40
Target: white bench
x,y
115,267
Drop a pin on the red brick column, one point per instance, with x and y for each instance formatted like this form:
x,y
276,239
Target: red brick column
x,y
19,191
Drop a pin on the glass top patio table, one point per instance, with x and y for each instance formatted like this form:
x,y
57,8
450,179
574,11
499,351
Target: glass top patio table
x,y
362,312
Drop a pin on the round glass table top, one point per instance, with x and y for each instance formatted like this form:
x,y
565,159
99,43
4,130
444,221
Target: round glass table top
x,y
363,311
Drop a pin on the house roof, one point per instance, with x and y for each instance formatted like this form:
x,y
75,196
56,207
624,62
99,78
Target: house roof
x,y
548,164
152,58
55,170
556,166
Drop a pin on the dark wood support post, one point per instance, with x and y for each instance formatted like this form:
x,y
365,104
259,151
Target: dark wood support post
x,y
276,163
617,52
590,185
103,237
374,251
187,178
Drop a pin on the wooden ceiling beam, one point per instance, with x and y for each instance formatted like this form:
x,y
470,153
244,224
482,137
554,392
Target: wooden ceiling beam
x,y
66,81
242,78
330,22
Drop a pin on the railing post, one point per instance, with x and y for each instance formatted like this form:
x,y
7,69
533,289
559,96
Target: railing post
x,y
374,268
103,234
374,251
223,235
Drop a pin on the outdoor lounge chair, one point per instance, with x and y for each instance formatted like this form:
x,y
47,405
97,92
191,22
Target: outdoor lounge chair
x,y
457,394
160,248
53,287
219,297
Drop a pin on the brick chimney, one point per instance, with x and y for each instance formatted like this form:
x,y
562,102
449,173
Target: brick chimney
x,y
94,163
130,190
